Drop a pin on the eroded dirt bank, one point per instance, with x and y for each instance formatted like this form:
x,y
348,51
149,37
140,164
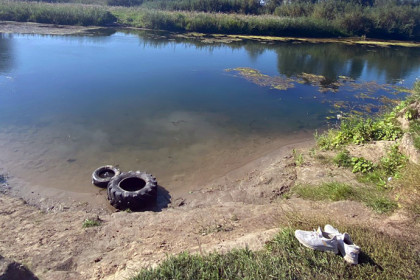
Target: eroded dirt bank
x,y
243,208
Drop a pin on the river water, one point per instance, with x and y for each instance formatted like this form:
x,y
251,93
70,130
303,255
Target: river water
x,y
149,101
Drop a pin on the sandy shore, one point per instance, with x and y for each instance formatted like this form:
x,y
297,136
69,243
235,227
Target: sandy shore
x,y
247,206
42,29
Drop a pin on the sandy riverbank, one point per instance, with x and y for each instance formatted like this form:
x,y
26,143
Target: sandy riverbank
x,y
44,231
247,206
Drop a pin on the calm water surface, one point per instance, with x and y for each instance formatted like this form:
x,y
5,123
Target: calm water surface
x,y
69,104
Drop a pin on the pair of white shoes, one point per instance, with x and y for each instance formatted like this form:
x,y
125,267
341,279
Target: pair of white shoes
x,y
330,240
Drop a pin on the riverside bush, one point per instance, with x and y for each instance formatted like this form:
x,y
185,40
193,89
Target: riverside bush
x,y
225,23
212,6
355,130
329,18
66,14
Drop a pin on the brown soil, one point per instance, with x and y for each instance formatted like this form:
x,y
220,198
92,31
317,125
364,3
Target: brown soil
x,y
243,208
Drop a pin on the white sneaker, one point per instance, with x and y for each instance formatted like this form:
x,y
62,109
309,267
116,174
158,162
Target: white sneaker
x,y
317,240
331,231
347,248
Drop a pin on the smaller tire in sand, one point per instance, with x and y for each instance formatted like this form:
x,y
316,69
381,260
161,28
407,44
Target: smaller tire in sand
x,y
103,175
132,190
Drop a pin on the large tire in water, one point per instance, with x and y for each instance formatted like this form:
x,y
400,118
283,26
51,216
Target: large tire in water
x,y
103,175
132,190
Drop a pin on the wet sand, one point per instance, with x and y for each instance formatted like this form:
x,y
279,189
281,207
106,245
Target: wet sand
x,y
45,176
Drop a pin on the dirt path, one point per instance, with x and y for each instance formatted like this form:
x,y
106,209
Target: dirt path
x,y
246,209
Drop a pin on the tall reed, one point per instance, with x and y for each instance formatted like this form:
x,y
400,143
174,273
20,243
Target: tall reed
x,y
68,14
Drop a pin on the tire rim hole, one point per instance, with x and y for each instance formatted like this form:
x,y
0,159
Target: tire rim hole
x,y
132,184
106,174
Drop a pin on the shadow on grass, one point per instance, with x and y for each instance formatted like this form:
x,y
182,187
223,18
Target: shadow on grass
x,y
364,259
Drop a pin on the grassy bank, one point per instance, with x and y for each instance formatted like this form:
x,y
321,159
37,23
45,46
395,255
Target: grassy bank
x,y
394,178
382,256
284,258
391,20
375,199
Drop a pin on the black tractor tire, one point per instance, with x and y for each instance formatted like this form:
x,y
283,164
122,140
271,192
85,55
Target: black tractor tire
x,y
103,175
132,190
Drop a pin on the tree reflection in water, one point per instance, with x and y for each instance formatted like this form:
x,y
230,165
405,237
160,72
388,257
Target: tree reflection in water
x,y
6,53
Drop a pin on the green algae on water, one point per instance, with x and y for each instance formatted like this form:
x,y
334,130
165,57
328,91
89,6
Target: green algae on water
x,y
256,77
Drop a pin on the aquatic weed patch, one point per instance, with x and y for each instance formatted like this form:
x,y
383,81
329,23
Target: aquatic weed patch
x,y
256,77
361,99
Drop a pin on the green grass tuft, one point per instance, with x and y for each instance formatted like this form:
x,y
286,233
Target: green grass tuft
x,y
382,204
390,166
343,159
327,191
393,161
372,197
298,157
415,132
91,223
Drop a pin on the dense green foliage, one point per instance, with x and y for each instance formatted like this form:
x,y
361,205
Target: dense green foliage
x,y
69,14
361,164
225,23
381,18
126,3
284,258
356,130
326,18
224,6
329,18
389,166
392,162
